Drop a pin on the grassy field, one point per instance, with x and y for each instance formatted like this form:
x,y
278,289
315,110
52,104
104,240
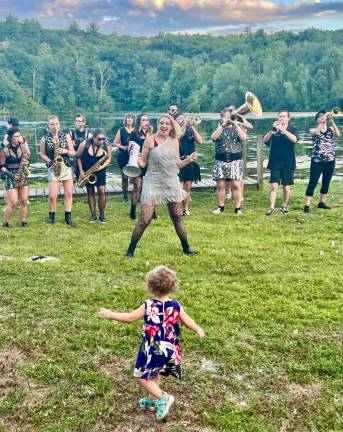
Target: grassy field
x,y
267,292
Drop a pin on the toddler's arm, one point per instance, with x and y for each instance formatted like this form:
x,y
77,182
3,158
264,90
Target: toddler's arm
x,y
127,317
190,323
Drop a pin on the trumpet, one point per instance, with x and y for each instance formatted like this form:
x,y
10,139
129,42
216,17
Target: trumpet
x,y
335,111
194,120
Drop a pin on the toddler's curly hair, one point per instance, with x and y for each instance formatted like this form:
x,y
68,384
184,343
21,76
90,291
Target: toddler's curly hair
x,y
161,281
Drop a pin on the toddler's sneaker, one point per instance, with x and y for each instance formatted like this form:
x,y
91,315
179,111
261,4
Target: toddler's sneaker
x,y
163,405
147,404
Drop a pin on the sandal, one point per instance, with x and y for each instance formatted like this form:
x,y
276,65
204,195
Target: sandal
x,y
147,404
163,405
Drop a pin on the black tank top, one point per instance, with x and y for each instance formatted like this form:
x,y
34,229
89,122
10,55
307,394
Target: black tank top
x,y
13,160
89,160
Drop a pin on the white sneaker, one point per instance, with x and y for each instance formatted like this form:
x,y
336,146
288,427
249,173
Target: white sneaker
x,y
186,213
228,196
218,211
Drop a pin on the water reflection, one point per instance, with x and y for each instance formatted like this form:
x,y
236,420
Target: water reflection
x,y
36,128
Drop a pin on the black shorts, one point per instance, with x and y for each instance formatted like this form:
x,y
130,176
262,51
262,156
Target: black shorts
x,y
282,174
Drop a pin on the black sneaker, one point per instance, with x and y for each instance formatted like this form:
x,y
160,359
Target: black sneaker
x,y
285,209
102,220
306,209
93,219
129,254
51,218
70,223
5,225
322,205
270,212
23,224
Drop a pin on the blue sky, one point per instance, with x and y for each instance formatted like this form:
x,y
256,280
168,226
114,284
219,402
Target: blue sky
x,y
148,17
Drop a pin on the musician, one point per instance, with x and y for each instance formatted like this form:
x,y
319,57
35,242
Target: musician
x,y
191,172
173,110
89,154
77,135
282,139
142,130
121,141
228,165
14,158
53,146
323,158
161,182
12,122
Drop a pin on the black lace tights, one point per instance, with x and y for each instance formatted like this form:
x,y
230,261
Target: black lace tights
x,y
146,215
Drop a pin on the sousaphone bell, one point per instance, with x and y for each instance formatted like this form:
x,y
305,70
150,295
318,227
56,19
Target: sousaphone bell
x,y
132,169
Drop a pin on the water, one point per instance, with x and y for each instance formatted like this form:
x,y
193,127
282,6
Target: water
x,y
35,128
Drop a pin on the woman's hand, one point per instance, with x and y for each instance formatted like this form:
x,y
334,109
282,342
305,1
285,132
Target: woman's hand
x,y
105,313
62,151
200,332
192,157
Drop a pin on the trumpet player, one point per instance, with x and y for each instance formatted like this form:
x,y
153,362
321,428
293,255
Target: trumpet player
x,y
228,165
191,172
282,139
95,155
56,149
14,157
322,159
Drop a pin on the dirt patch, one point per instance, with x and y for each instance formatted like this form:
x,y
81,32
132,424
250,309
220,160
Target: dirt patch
x,y
305,391
10,359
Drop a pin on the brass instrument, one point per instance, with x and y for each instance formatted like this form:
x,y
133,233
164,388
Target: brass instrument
x,y
90,177
58,159
23,173
196,119
335,111
251,104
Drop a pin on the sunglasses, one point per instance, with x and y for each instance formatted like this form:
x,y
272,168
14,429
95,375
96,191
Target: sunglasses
x,y
102,139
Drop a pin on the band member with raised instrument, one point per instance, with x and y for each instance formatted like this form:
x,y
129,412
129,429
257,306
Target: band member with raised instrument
x,y
161,182
14,162
142,130
282,139
121,140
323,158
228,165
191,172
56,149
93,157
77,135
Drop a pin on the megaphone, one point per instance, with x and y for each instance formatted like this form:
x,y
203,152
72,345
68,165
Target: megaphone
x,y
132,168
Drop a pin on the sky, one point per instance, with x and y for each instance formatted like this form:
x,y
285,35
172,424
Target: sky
x,y
149,17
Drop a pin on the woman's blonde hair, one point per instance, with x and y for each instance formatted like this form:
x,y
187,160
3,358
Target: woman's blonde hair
x,y
175,130
161,281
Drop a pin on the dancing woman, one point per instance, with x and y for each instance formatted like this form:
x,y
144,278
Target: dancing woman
x,y
14,160
56,149
121,140
161,182
142,130
323,158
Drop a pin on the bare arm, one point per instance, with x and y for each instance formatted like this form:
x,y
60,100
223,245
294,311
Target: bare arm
x,y
267,137
188,159
240,131
143,160
79,159
108,158
2,160
335,129
127,317
42,151
117,142
190,323
197,136
216,134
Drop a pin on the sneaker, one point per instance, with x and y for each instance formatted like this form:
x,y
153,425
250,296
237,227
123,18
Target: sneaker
x,y
306,209
163,405
322,205
238,211
102,220
270,212
51,218
186,213
23,224
5,225
69,222
93,219
218,211
147,404
228,196
285,209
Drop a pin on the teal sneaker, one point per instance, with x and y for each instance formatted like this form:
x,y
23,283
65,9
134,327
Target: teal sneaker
x,y
147,404
163,405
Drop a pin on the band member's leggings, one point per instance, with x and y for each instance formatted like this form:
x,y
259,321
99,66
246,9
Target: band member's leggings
x,y
318,168
146,215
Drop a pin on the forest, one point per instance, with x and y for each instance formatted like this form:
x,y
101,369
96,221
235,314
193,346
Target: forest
x,y
85,70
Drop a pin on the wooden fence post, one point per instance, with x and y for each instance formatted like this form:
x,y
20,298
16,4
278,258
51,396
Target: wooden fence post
x,y
259,162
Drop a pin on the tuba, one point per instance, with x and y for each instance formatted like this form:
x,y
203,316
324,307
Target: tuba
x,y
90,177
252,104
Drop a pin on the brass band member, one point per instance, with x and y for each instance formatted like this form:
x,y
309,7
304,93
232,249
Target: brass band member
x,y
228,165
95,152
323,158
121,141
191,172
56,149
77,135
142,130
14,161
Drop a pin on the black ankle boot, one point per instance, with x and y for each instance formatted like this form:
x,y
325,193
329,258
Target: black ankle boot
x,y
322,205
133,212
51,218
130,251
68,220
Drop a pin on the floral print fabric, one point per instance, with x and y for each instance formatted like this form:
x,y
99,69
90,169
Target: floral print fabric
x,y
159,352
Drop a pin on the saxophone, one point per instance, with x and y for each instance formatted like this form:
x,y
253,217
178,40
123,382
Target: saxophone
x,y
23,173
90,177
58,159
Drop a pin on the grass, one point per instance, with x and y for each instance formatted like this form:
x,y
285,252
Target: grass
x,y
267,291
